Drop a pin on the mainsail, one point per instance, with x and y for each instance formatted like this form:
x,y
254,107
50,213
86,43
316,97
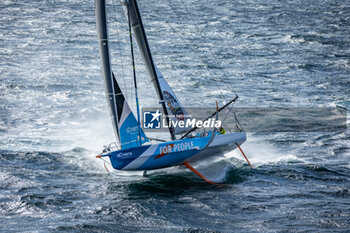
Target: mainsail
x,y
172,107
125,125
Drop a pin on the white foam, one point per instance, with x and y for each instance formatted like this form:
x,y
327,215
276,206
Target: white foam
x,y
261,152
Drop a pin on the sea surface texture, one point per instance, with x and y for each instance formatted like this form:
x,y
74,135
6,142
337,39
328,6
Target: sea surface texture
x,y
54,117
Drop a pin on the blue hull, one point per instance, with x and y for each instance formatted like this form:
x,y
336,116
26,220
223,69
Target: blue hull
x,y
167,154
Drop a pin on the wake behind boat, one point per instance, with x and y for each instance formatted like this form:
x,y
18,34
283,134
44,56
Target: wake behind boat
x,y
134,150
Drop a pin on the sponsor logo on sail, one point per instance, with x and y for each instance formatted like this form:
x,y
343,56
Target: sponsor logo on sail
x,y
174,106
132,130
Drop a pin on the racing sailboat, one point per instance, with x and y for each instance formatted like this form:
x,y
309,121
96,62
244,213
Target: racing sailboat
x,y
134,151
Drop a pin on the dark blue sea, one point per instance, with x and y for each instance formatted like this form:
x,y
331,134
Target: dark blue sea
x,y
54,117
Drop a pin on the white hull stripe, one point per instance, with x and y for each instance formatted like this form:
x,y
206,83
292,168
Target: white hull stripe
x,y
142,158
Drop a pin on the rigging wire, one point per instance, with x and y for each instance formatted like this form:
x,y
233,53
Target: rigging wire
x,y
193,47
119,47
211,52
134,75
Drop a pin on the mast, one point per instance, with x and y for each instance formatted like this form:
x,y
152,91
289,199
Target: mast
x,y
101,23
141,39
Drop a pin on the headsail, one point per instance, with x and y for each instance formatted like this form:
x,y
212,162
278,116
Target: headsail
x,y
171,105
125,125
176,111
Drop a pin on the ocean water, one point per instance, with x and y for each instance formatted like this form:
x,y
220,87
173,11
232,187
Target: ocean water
x,y
54,117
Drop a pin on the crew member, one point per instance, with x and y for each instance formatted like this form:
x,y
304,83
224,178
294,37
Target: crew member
x,y
222,130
